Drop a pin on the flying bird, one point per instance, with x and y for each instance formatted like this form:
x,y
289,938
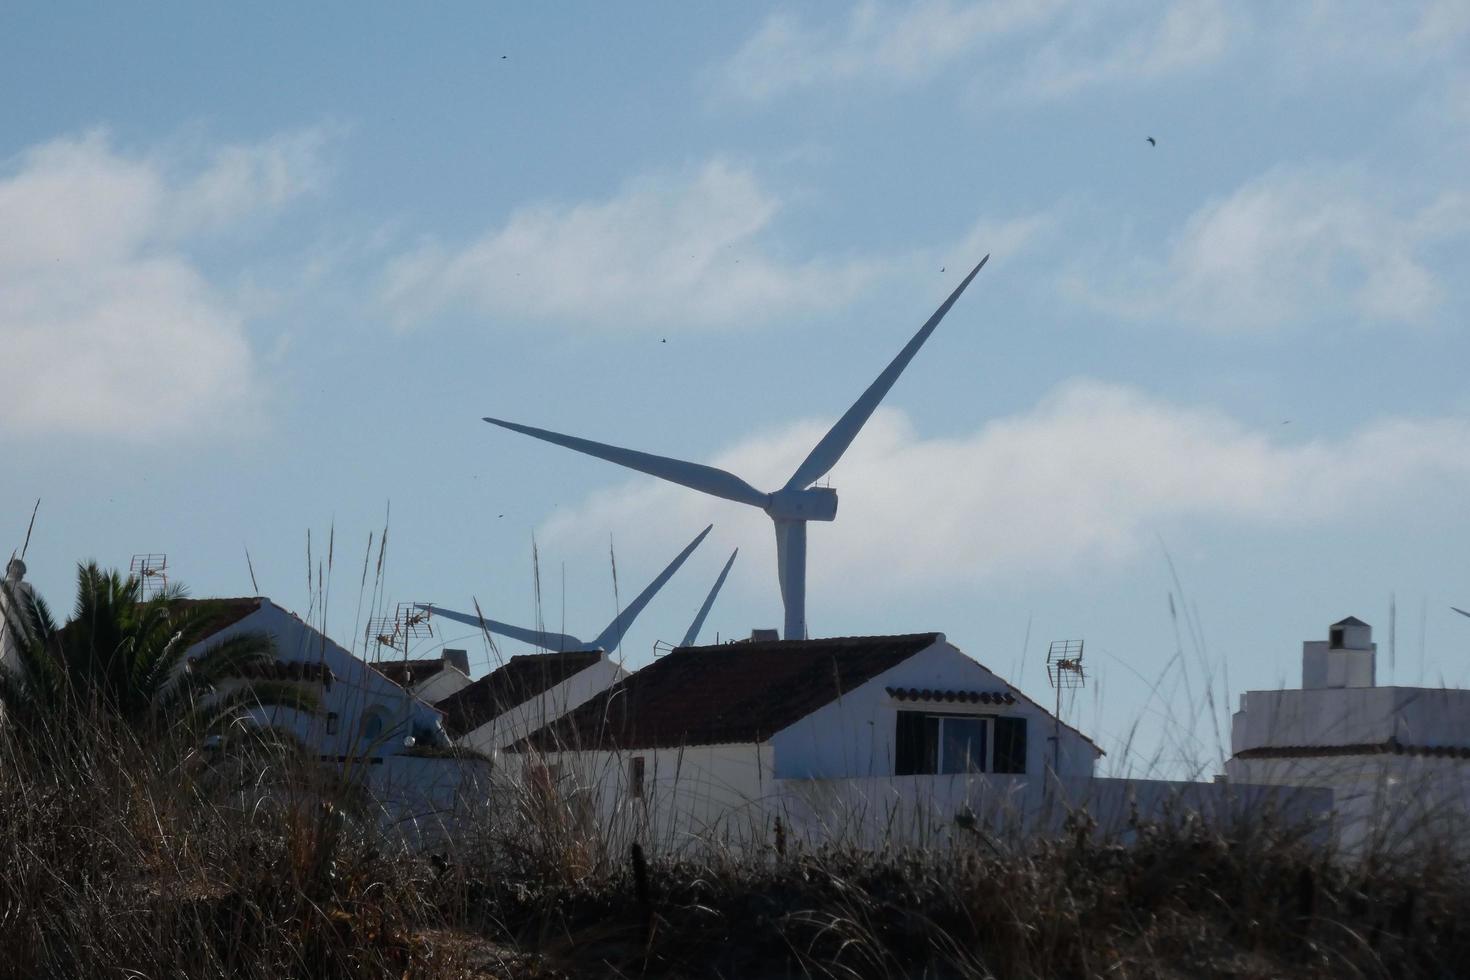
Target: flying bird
x,y
1152,141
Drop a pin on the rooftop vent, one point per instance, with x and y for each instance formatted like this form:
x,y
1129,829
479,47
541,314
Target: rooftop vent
x,y
458,658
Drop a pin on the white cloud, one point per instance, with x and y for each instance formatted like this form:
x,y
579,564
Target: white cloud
x,y
907,44
1183,37
247,179
877,42
1078,484
687,251
106,325
1292,246
1384,36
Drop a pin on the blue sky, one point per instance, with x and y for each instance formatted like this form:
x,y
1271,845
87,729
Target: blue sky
x,y
263,269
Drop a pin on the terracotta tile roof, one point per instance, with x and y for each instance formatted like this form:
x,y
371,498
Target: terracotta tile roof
x,y
733,692
217,615
288,670
1390,747
968,697
517,681
406,673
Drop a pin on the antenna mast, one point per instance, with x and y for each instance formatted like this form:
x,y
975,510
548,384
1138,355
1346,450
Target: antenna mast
x,y
1064,673
409,622
151,571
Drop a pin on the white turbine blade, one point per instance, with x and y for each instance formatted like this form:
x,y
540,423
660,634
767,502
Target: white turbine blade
x,y
706,479
613,635
835,442
555,642
1460,611
709,601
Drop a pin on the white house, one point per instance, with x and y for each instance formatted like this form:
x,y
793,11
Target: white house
x,y
719,742
1396,758
15,584
363,713
523,694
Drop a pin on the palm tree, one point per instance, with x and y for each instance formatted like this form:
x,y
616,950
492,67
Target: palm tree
x,y
120,659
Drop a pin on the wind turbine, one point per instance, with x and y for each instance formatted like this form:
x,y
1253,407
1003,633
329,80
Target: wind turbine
x,y
607,640
693,634
792,505
1460,611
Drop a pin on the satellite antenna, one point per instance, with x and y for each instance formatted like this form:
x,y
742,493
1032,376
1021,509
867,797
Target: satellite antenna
x,y
151,571
409,622
791,506
606,641
693,635
1064,672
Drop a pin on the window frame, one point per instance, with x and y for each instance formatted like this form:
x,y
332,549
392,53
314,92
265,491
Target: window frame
x,y
929,760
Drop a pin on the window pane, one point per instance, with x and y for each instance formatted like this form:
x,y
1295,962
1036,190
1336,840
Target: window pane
x,y
1010,745
909,744
964,745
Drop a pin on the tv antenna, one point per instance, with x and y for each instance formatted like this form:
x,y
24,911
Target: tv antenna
x,y
1064,672
151,571
409,622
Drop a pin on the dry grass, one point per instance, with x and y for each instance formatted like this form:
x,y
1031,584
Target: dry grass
x,y
124,859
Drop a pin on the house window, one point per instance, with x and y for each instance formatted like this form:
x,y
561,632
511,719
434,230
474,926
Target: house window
x,y
1010,745
331,722
962,745
929,744
635,777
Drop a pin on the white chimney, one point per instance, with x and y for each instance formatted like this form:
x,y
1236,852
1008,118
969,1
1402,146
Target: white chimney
x,y
1347,658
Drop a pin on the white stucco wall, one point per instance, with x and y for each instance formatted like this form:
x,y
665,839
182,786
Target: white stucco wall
x,y
357,690
1383,802
939,811
697,796
516,723
1351,716
854,736
1383,798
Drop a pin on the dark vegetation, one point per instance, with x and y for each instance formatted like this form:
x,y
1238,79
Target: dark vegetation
x,y
128,850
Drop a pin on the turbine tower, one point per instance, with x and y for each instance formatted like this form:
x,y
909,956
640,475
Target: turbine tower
x,y
791,506
606,641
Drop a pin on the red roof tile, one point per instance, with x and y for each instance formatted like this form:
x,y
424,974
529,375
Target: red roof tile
x,y
733,692
1390,747
217,615
517,681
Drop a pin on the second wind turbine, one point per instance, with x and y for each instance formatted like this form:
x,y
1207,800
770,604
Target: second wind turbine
x,y
792,505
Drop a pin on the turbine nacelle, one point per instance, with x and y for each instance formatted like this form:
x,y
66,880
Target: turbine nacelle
x,y
811,504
